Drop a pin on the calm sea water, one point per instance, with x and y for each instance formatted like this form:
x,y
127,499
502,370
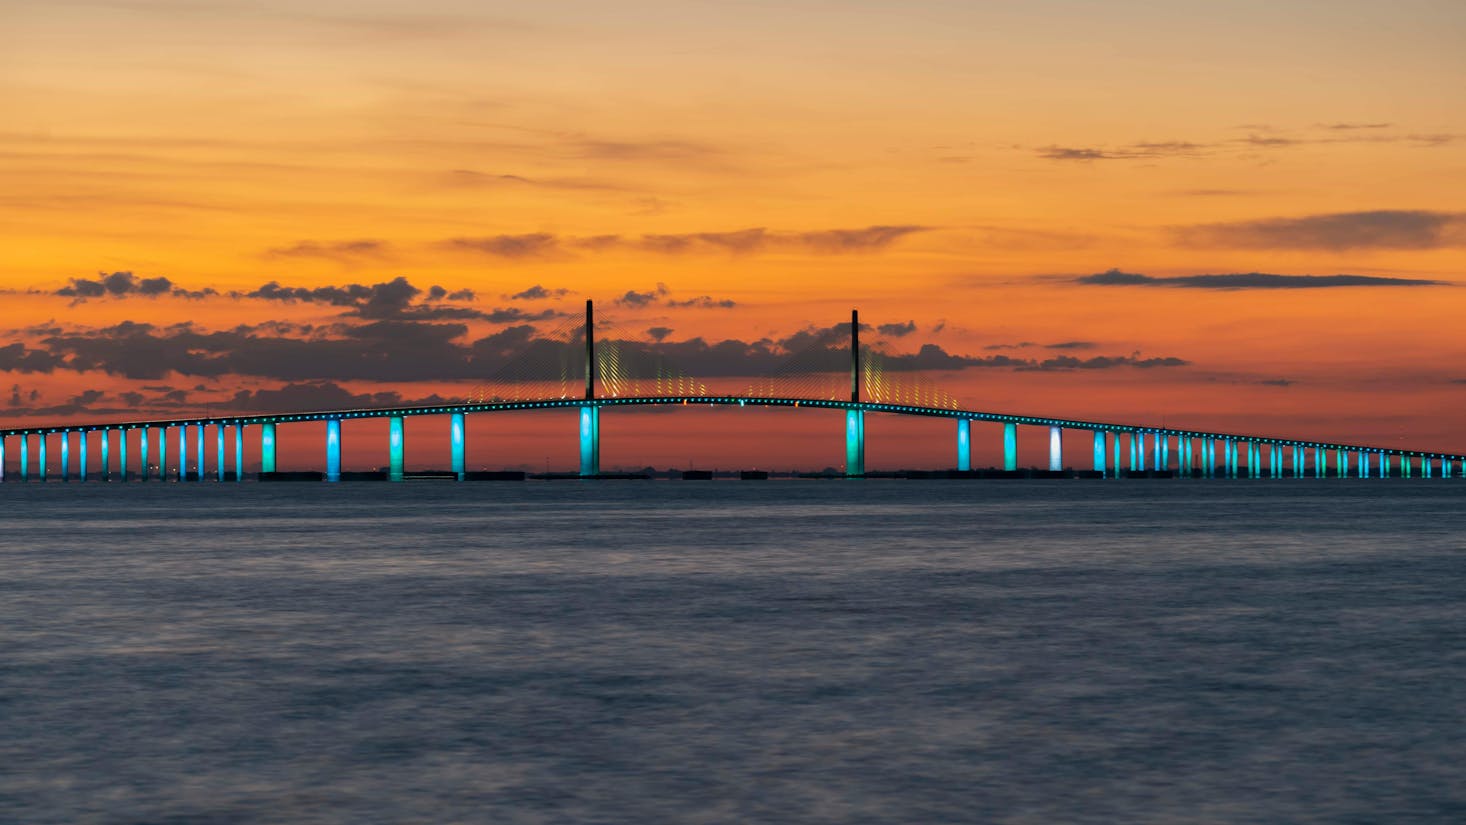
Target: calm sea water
x,y
786,651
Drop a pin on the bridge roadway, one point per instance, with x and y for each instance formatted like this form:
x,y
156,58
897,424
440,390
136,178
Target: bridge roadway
x,y
1349,459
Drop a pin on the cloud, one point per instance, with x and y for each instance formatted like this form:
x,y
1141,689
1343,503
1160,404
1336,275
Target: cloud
x,y
332,250
735,242
320,395
126,284
1102,362
897,330
1135,151
1378,229
1249,280
704,302
1071,345
537,293
395,299
1349,127
1277,382
659,333
632,298
517,247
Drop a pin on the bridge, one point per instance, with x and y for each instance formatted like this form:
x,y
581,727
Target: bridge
x,y
1119,449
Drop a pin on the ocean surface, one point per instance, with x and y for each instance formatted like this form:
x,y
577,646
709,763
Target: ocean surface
x,y
696,652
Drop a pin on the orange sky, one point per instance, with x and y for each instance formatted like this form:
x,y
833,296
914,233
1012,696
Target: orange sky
x,y
958,165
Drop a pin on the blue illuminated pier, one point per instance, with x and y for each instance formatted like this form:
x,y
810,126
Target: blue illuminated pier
x,y
1151,451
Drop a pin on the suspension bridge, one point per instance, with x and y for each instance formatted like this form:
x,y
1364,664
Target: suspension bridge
x,y
617,374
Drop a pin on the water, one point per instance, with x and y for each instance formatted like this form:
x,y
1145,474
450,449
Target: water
x,y
801,652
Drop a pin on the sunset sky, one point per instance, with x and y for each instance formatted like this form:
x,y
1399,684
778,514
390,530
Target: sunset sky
x,y
1084,209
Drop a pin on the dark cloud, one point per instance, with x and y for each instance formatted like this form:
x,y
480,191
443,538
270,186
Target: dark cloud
x,y
1019,345
18,358
1378,229
125,284
659,333
897,330
507,315
1102,362
1135,151
320,395
704,302
1249,280
1071,345
332,250
632,298
736,242
537,293
394,299
1345,127
1277,382
518,247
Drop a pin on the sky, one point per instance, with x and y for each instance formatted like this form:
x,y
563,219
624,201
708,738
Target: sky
x,y
1242,216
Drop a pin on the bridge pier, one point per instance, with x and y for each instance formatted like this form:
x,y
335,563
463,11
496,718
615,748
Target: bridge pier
x,y
219,452
964,445
143,470
1010,446
65,455
1099,452
394,448
267,447
238,451
1116,453
1363,464
333,449
1056,449
590,441
455,445
122,453
41,456
198,446
854,443
1157,450
2,458
25,456
1134,451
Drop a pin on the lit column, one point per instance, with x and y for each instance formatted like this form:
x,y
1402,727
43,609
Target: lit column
x,y
198,447
41,456
1272,460
1363,464
1163,462
163,453
1297,461
1407,470
1384,465
1099,451
1010,446
854,443
333,449
2,458
1341,464
65,455
456,426
1157,449
142,453
122,453
590,440
1445,465
238,451
394,448
964,445
1134,452
1056,449
267,448
106,454
1138,442
219,451
183,452
1116,452
25,457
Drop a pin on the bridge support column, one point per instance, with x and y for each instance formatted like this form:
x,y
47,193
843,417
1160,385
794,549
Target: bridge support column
x,y
964,445
1135,451
267,448
1099,452
1010,446
41,456
1164,461
456,427
1383,463
238,451
143,470
333,449
590,441
198,446
2,458
25,457
1056,449
1157,450
1116,452
122,453
182,459
219,451
854,443
1405,466
65,455
81,455
1445,465
1425,469
394,448
1363,464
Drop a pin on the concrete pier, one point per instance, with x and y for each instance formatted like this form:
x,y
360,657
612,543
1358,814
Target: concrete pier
x,y
333,449
456,437
1056,449
267,448
964,445
394,448
1010,446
